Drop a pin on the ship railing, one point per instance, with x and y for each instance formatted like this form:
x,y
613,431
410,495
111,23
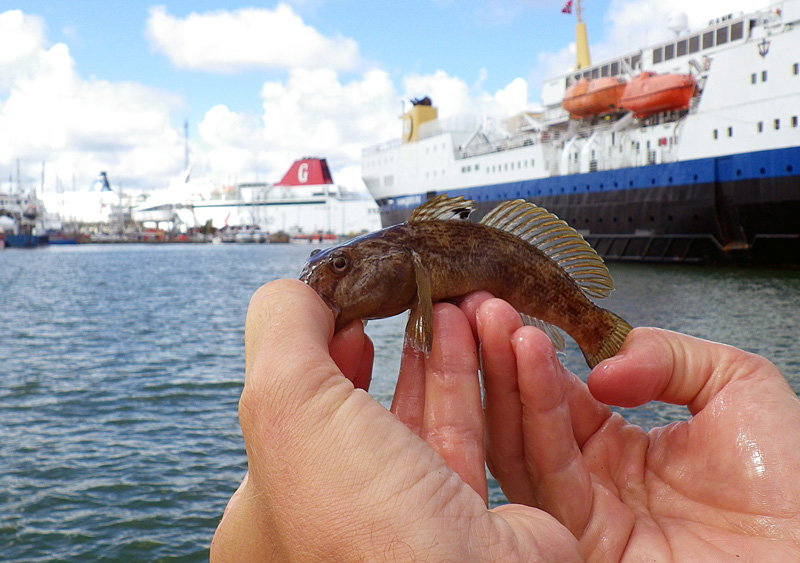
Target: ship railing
x,y
498,146
515,142
381,147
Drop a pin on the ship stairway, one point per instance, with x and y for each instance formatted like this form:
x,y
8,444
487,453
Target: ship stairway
x,y
690,248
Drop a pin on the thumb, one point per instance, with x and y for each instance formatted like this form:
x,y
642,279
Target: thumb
x,y
660,365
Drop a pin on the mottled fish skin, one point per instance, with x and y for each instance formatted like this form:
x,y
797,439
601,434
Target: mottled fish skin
x,y
380,275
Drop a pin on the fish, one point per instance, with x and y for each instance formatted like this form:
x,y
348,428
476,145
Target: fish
x,y
519,252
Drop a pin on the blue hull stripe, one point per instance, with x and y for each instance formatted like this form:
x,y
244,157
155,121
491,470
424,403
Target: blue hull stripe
x,y
761,165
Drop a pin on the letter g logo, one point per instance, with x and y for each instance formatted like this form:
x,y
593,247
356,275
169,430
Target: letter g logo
x,y
302,173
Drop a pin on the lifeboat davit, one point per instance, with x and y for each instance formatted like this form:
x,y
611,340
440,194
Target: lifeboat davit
x,y
598,96
651,93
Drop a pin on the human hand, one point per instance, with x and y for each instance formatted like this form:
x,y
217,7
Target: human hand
x,y
721,486
333,476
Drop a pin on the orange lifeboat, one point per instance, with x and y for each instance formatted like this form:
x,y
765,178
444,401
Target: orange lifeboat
x,y
599,96
651,93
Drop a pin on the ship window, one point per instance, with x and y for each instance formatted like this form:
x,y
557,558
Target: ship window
x,y
657,55
753,78
477,167
636,62
615,69
794,121
604,70
716,134
669,52
722,35
763,76
737,31
694,44
777,124
708,39
681,48
796,68
595,73
730,131
760,126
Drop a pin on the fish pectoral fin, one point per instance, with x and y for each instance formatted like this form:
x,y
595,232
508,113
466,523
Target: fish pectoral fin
x,y
419,329
552,332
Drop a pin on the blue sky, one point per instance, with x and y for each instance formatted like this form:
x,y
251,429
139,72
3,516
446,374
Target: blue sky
x,y
92,85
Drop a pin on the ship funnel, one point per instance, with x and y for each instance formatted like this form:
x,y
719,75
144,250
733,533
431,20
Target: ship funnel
x,y
422,110
100,183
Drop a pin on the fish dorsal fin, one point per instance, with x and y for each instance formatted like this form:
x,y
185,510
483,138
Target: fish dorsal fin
x,y
443,208
560,242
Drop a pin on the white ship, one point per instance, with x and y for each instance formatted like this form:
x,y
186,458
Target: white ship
x,y
305,201
685,150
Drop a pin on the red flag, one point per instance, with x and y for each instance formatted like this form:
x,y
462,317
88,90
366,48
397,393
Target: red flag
x,y
567,9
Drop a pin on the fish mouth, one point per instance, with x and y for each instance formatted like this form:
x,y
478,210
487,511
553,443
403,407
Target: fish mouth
x,y
305,277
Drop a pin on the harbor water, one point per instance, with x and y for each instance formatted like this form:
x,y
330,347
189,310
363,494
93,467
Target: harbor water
x,y
121,368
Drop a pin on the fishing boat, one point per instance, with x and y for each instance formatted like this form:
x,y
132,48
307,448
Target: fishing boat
x,y
699,160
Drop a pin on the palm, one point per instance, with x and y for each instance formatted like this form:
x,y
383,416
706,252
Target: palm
x,y
713,487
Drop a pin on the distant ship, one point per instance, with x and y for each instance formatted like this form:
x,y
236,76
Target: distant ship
x,y
21,221
305,201
685,150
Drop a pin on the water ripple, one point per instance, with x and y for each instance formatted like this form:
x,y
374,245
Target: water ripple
x,y
122,369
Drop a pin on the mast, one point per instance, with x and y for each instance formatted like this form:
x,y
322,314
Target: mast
x,y
582,59
186,144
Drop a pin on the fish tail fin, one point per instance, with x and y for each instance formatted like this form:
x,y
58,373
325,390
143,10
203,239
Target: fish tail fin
x,y
611,343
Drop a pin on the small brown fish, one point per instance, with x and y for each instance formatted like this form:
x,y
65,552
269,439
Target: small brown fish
x,y
519,252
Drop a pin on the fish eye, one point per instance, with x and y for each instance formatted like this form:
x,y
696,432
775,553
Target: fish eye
x,y
340,263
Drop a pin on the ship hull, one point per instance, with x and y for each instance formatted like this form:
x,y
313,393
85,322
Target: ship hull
x,y
738,208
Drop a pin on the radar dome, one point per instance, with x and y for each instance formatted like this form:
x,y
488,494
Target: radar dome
x,y
678,21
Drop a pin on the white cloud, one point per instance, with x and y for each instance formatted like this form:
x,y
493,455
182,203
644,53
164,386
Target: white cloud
x,y
21,37
224,41
453,96
312,113
78,127
48,112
